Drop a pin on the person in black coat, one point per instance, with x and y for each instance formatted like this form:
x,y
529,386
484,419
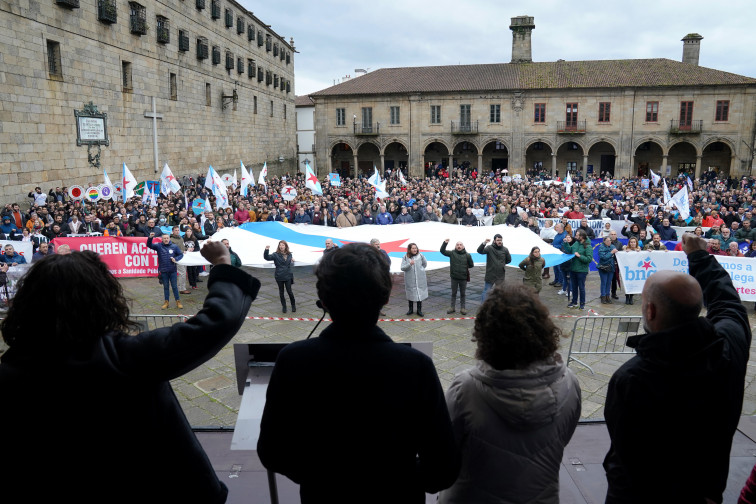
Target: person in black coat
x,y
108,427
688,377
284,275
377,428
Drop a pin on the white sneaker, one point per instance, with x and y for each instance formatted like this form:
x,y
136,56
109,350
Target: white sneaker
x,y
204,273
561,292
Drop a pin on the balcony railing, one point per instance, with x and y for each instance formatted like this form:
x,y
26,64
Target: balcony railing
x,y
107,12
138,25
183,41
163,35
201,51
71,4
685,128
464,128
367,129
571,127
200,4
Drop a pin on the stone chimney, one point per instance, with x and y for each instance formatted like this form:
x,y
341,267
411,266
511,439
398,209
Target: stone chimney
x,y
691,48
521,27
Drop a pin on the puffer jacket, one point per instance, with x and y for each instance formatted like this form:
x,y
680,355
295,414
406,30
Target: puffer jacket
x,y
582,263
284,267
459,262
512,426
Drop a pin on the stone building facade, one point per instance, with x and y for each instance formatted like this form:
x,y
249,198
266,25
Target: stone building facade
x,y
618,116
222,83
306,133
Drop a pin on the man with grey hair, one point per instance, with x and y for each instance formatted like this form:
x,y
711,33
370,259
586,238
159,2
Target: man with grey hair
x,y
685,365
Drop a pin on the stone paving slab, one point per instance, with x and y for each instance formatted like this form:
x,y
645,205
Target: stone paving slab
x,y
453,349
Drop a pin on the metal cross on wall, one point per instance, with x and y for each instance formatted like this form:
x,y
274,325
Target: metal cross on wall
x,y
154,116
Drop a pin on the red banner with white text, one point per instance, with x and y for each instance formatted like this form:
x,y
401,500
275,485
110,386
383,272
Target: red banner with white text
x,y
125,257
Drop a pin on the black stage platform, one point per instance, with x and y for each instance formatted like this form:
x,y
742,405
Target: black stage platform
x,y
582,478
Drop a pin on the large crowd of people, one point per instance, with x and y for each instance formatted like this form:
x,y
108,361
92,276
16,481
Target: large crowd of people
x,y
721,210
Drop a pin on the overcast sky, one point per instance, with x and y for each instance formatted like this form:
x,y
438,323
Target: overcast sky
x,y
333,37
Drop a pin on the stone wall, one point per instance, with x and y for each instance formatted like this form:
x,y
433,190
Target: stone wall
x,y
626,129
37,123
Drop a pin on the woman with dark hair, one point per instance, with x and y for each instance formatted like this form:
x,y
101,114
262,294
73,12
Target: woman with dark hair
x,y
582,257
633,231
566,266
191,243
533,268
415,281
111,400
283,261
517,409
606,268
751,249
632,246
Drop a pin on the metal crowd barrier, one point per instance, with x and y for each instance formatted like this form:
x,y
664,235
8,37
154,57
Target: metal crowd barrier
x,y
151,322
602,336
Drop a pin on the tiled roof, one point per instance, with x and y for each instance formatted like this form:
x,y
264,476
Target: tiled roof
x,y
303,101
547,75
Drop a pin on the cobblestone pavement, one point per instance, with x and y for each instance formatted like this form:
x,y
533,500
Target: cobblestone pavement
x,y
209,394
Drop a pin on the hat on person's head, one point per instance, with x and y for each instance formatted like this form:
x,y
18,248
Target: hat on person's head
x,y
118,216
7,218
162,220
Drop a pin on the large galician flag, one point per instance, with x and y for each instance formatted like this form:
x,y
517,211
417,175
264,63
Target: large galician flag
x,y
308,241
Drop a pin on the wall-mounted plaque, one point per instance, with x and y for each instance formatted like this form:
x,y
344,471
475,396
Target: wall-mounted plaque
x,y
91,126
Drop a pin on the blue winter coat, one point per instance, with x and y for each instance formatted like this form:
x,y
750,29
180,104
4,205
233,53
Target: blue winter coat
x,y
165,253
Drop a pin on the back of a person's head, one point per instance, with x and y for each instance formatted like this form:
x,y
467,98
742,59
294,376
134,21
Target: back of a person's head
x,y
80,301
513,329
354,283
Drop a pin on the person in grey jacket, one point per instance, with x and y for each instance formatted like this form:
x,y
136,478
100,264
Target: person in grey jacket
x,y
415,281
497,258
284,275
516,410
460,263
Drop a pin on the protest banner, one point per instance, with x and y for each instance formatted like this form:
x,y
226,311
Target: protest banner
x,y
124,256
637,267
25,249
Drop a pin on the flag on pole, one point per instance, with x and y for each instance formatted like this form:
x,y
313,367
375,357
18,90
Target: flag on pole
x,y
208,206
263,174
247,179
153,198
128,183
186,202
681,201
107,179
311,181
401,178
667,197
168,183
218,188
375,179
568,183
654,177
145,194
380,190
233,181
690,184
